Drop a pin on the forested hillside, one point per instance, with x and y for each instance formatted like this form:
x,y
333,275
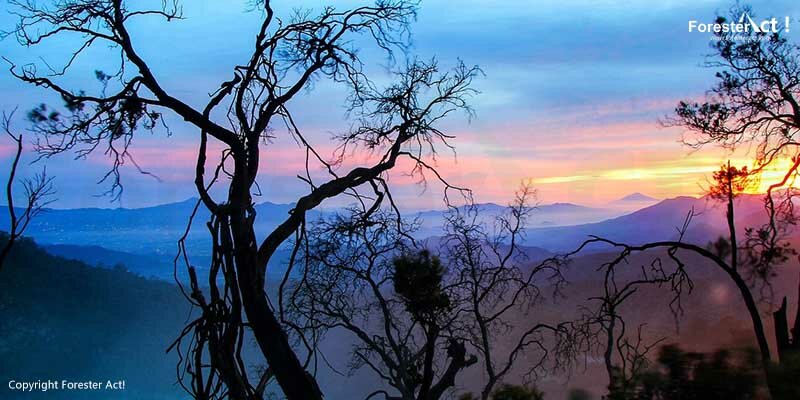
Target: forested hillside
x,y
61,319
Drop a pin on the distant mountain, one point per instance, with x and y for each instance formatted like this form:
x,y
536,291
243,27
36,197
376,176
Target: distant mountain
x,y
146,265
152,265
660,221
565,207
144,231
493,208
636,197
145,239
497,208
545,215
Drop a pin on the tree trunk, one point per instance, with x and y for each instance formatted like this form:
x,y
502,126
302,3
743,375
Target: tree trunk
x,y
294,380
432,333
291,375
788,341
755,317
782,330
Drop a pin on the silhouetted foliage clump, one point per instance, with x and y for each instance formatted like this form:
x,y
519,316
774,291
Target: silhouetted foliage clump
x,y
685,375
517,392
579,394
418,282
508,391
785,377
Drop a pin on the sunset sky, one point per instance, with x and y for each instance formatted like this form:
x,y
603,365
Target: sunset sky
x,y
571,99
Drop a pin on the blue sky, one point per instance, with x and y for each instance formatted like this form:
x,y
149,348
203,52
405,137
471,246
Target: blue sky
x,y
570,98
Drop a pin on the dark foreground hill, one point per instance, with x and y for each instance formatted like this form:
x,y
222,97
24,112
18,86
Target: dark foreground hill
x,y
146,265
61,319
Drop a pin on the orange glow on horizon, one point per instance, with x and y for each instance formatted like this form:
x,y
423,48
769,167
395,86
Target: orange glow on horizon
x,y
773,174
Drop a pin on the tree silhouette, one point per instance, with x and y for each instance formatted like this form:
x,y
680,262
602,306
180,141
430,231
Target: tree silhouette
x,y
579,394
755,102
418,281
499,288
510,392
38,191
420,315
392,124
678,374
516,392
625,353
752,268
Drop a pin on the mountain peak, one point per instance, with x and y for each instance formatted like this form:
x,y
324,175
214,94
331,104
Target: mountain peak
x,y
562,206
637,197
489,205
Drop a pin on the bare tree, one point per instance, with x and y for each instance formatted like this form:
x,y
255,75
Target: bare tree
x,y
499,287
362,276
418,318
38,192
755,102
392,124
625,354
752,269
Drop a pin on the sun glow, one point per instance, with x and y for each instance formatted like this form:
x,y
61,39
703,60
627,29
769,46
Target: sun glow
x,y
773,174
669,178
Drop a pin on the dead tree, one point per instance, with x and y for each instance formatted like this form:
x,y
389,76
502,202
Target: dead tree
x,y
393,124
625,354
498,285
362,276
38,192
755,261
787,339
419,316
756,102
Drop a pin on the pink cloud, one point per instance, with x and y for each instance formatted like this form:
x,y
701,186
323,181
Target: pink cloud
x,y
588,162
